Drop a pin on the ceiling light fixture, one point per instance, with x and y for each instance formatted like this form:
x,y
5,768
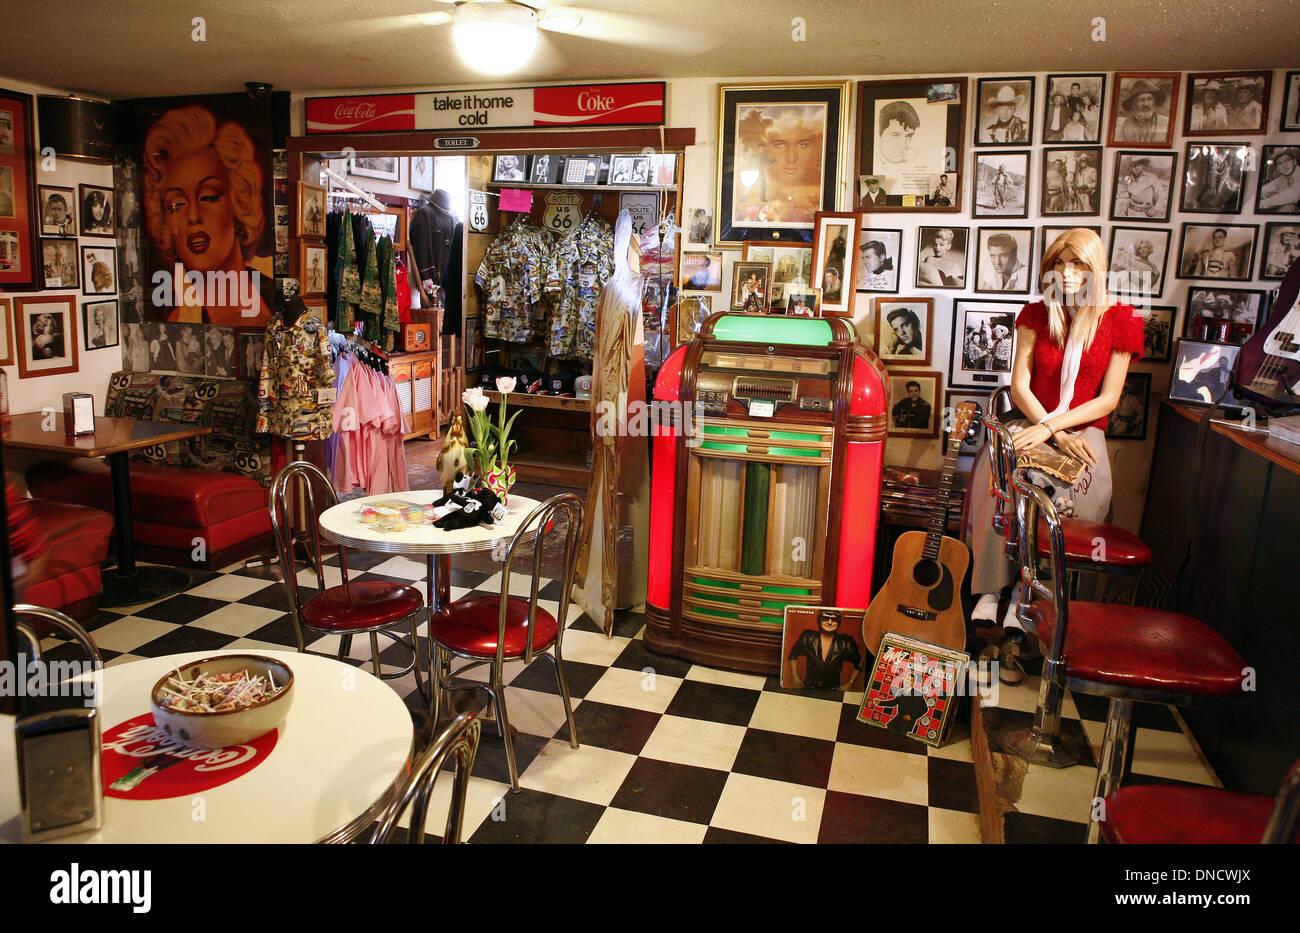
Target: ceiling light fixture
x,y
495,36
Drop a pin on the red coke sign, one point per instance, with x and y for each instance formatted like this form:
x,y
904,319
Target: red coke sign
x,y
600,105
383,113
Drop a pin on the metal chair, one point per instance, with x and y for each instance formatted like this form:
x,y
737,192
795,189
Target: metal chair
x,y
494,629
459,739
61,621
1126,653
367,607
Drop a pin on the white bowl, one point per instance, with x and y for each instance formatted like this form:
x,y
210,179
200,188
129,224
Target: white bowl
x,y
236,727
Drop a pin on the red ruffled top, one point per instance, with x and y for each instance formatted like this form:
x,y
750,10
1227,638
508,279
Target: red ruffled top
x,y
1119,330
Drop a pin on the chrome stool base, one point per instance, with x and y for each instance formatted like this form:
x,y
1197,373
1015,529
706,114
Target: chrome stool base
x,y
1055,751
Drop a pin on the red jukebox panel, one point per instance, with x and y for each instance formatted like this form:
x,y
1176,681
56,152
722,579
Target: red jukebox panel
x,y
766,486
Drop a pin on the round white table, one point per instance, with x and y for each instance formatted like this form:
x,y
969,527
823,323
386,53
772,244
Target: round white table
x,y
345,744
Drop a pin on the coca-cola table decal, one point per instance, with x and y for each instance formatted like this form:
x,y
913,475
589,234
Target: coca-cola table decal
x,y
141,762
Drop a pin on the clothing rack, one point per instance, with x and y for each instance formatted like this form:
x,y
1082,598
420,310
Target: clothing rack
x,y
365,196
364,350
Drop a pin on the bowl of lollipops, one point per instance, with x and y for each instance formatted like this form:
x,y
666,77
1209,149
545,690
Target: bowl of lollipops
x,y
223,701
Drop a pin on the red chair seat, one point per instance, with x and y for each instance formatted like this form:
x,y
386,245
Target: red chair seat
x,y
360,605
469,626
72,535
1170,814
1123,548
1143,649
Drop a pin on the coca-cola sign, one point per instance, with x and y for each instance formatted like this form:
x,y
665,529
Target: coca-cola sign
x,y
384,113
142,762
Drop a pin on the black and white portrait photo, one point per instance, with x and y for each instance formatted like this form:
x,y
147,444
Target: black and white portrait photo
x,y
1001,184
1157,332
941,257
1279,181
1142,186
1281,249
629,170
1071,182
99,324
248,356
914,404
1214,178
1002,260
96,211
1137,260
910,146
1291,103
1217,251
59,264
1145,102
1072,108
1006,111
189,348
135,349
544,170
879,257
58,211
904,330
701,225
219,352
983,343
1129,419
1227,102
510,168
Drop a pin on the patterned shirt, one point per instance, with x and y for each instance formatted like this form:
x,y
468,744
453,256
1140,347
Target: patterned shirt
x,y
580,266
295,366
511,276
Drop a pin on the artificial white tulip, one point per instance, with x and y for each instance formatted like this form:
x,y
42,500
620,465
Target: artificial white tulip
x,y
506,385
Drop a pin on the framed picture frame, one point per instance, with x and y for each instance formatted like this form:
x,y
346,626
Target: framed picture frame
x,y
1157,332
880,259
1222,252
422,173
581,170
750,283
1072,108
1227,103
20,252
904,331
1281,249
99,324
692,312
1142,185
629,170
220,352
835,260
60,265
510,169
6,332
317,308
700,229
58,211
312,275
941,257
910,135
1071,182
914,410
402,222
45,334
1006,111
803,302
983,343
99,270
1214,177
1000,266
97,210
791,265
545,169
760,195
248,355
702,271
1048,235
384,168
1138,257
951,399
1128,422
1201,372
1223,315
1146,106
311,211
1279,181
1000,185
663,169
1290,120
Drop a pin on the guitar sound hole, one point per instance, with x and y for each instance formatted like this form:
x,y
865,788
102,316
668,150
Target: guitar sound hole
x,y
927,573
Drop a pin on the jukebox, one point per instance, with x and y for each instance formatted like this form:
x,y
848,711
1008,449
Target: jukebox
x,y
765,489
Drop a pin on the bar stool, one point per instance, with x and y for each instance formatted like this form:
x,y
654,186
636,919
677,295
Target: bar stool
x,y
1126,653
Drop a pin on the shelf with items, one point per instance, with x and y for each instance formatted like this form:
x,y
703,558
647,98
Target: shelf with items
x,y
595,189
557,402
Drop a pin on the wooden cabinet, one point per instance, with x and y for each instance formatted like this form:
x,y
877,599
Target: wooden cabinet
x,y
417,377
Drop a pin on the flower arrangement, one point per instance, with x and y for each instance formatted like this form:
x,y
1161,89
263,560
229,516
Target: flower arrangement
x,y
492,444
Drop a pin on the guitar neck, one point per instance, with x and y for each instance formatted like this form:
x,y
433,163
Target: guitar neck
x,y
939,516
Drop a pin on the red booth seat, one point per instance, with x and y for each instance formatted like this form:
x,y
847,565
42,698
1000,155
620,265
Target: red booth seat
x,y
75,543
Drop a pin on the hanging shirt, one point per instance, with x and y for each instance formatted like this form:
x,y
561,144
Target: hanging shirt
x,y
580,265
511,276
294,397
348,275
389,320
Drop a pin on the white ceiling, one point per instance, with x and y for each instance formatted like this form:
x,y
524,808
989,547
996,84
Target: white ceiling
x,y
140,48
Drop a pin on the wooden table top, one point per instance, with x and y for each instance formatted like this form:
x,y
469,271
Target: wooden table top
x,y
1276,451
112,435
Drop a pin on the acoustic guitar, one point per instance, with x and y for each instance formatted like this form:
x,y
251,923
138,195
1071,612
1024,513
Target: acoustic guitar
x,y
1268,365
922,597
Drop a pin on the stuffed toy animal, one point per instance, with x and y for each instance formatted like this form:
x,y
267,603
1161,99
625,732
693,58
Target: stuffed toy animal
x,y
452,460
481,507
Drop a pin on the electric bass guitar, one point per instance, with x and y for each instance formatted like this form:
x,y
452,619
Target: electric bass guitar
x,y
922,597
1268,365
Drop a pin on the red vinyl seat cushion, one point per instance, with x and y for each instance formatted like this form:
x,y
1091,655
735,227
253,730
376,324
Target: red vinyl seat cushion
x,y
1170,814
469,626
360,605
74,539
1132,646
1123,548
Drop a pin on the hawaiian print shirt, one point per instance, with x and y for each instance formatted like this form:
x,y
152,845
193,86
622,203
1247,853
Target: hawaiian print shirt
x,y
295,367
511,277
580,266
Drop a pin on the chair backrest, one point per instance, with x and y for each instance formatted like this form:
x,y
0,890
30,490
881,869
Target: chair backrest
x,y
63,622
459,739
300,492
1033,503
1285,819
540,524
1002,460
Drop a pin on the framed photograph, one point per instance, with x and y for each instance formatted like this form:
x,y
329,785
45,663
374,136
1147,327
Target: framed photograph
x,y
951,400
45,331
1223,315
1143,185
311,211
20,255
835,260
1001,187
791,265
915,409
1233,103
1214,177
750,283
99,270
941,257
1290,122
909,139
801,637
1072,108
1049,235
220,355
59,264
692,312
6,332
1129,419
1000,260
396,227
803,302
385,168
700,230
97,214
1281,249
58,211
880,257
1279,182
581,170
983,343
629,170
1137,259
1147,103
545,169
702,271
663,169
1006,111
1157,332
312,277
188,356
903,331
99,324
780,159
1071,182
317,308
1202,372
422,173
510,169
1217,251
248,355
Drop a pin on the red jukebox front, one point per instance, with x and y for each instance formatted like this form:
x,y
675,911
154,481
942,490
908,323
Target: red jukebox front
x,y
765,491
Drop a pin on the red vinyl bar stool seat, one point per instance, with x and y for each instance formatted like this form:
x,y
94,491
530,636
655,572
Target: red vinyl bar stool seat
x,y
359,605
469,626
